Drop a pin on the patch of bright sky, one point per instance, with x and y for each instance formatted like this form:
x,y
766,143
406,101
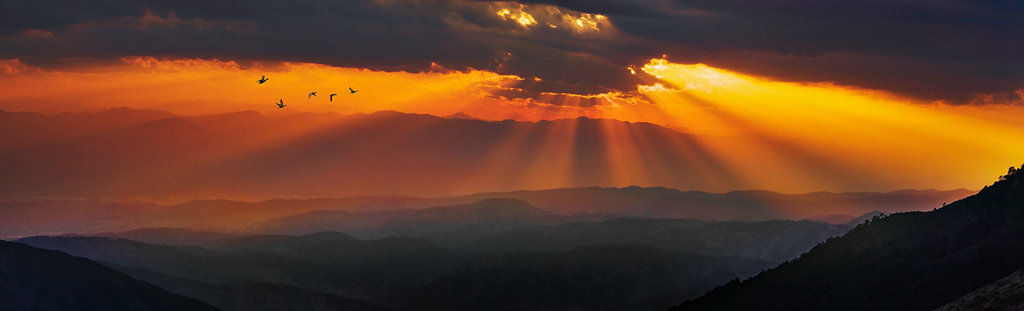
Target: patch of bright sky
x,y
793,137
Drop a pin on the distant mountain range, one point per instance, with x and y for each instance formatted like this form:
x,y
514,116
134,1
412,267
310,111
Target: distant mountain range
x,y
771,241
549,207
249,295
626,264
450,226
903,261
213,266
657,202
39,279
411,274
537,259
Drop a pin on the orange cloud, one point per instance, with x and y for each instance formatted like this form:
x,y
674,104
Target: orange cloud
x,y
194,87
837,137
751,132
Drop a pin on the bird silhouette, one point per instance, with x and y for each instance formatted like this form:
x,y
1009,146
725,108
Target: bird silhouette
x,y
262,79
332,96
353,91
311,95
280,104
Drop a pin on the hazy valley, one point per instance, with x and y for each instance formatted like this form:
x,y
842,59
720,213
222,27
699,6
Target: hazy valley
x,y
584,248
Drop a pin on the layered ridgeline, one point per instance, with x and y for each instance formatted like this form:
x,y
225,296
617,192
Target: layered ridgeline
x,y
302,216
323,269
39,279
513,226
905,261
249,295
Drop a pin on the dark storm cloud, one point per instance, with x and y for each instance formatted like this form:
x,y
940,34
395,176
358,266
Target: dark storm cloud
x,y
930,49
381,35
345,34
17,15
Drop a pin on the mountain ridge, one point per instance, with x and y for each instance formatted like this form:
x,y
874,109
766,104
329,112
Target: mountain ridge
x,y
38,279
42,217
903,261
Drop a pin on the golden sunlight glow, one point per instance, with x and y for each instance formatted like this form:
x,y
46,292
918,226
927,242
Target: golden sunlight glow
x,y
191,87
657,87
551,16
836,137
747,132
518,15
584,22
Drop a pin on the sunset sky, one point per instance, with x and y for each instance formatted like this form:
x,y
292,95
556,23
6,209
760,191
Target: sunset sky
x,y
825,95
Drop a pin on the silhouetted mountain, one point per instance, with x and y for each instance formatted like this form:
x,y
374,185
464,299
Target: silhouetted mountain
x,y
129,162
38,279
657,202
37,217
646,202
19,130
401,261
28,218
249,296
603,277
170,236
1004,294
905,261
859,220
410,274
446,225
54,217
334,247
773,241
461,115
484,211
213,266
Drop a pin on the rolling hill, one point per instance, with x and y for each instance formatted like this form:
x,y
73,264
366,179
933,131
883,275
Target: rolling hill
x,y
772,241
212,266
1004,294
905,261
20,218
412,274
602,277
39,279
248,295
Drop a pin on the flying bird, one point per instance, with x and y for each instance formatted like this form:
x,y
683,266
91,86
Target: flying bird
x,y
311,95
280,104
353,91
262,79
332,96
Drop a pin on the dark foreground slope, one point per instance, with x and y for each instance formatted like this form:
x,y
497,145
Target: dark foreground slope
x,y
213,266
604,277
38,279
412,274
907,261
250,296
1005,294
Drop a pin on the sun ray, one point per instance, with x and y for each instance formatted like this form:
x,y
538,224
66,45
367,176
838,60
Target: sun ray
x,y
733,131
830,133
